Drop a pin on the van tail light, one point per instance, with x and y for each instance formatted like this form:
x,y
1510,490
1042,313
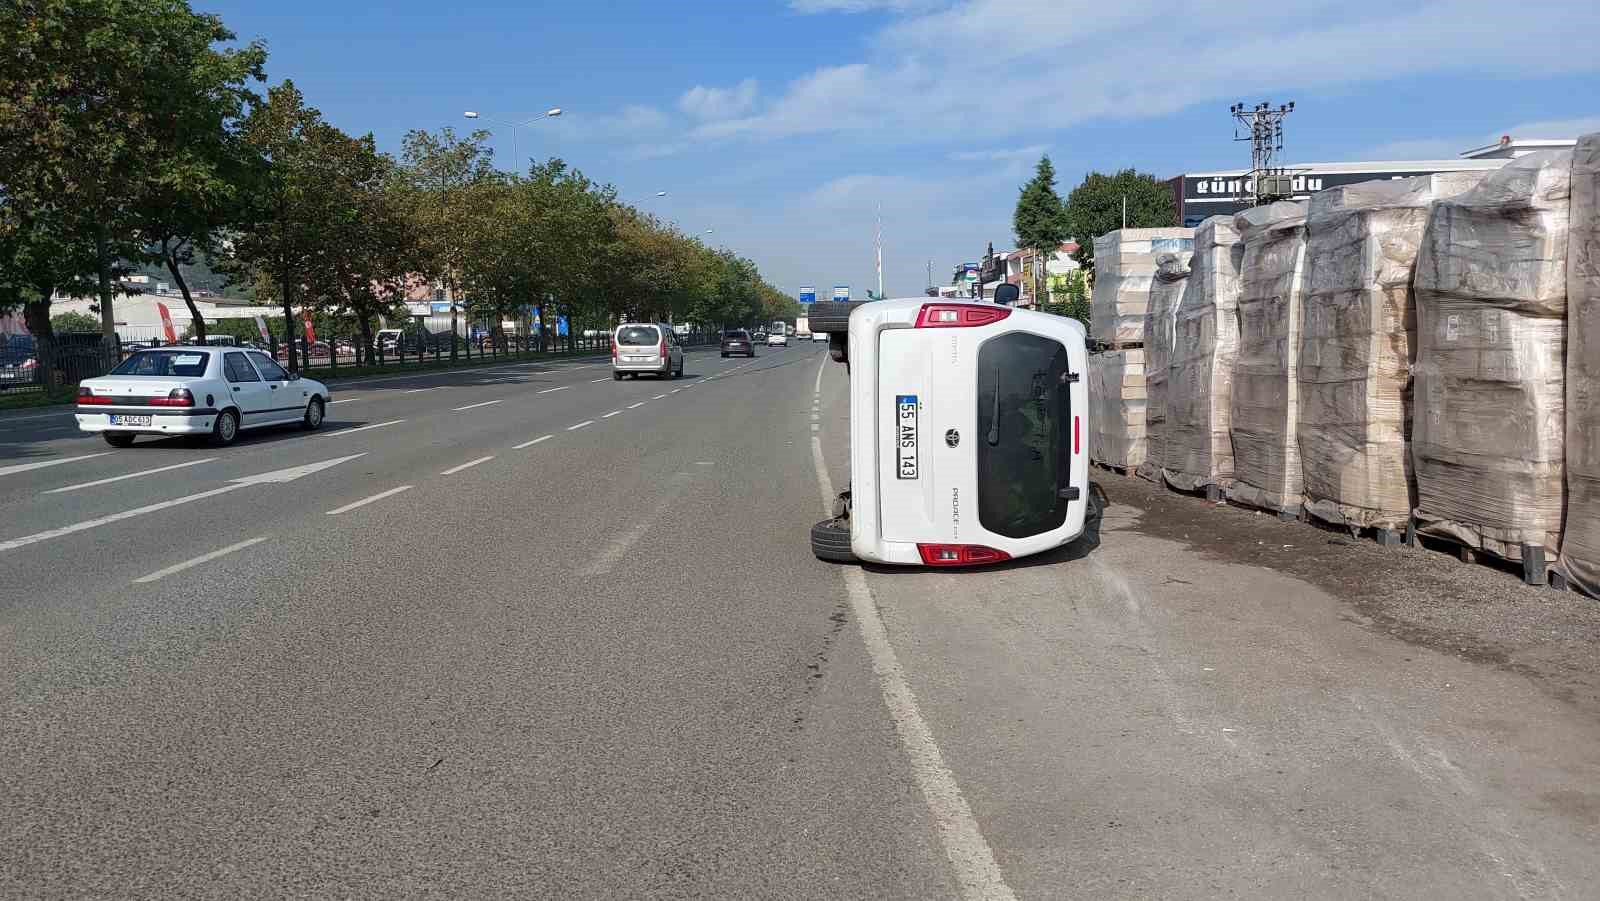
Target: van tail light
x,y
960,554
960,315
613,350
86,395
1075,437
177,397
662,350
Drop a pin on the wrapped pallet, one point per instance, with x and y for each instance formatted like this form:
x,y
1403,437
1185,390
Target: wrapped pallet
x,y
1124,267
1491,292
1356,335
1266,453
1172,274
1580,544
1198,450
1116,408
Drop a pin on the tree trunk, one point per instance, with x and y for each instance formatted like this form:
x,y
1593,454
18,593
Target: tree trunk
x,y
288,323
183,287
450,295
366,342
36,316
108,319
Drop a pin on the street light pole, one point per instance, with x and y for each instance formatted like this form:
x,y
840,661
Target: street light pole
x,y
516,153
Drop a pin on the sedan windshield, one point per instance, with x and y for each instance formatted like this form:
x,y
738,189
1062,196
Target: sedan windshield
x,y
164,364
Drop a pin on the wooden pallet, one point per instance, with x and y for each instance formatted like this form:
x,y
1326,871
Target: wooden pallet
x,y
1536,569
1127,472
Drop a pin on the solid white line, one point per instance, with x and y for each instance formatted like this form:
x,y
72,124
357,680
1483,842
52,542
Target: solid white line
x,y
362,503
636,406
486,403
362,428
455,469
817,388
131,475
26,540
548,390
658,397
611,414
28,467
533,442
203,558
574,428
970,856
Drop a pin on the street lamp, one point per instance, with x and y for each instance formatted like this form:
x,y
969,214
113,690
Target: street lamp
x,y
516,156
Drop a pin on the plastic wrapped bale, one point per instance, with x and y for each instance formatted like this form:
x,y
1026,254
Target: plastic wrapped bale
x,y
1265,403
1124,268
1356,336
1205,344
1116,408
1172,274
1580,544
1491,295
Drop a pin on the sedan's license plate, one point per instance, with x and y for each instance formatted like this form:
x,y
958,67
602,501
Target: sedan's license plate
x,y
905,442
123,419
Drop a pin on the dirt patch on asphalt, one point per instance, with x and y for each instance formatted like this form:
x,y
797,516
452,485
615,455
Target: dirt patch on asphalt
x,y
1419,595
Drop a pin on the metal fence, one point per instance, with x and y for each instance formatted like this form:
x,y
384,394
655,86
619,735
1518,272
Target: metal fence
x,y
78,355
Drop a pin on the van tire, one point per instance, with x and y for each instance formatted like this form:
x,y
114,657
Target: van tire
x,y
830,316
830,541
616,376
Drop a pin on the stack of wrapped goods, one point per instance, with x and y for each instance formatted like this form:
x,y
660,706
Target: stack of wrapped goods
x,y
1116,408
1205,343
1356,335
1124,267
1580,544
1266,453
1491,290
1172,274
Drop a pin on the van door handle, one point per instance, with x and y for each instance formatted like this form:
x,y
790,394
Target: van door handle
x,y
274,387
236,387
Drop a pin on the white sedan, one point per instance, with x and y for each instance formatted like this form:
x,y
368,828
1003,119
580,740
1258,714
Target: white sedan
x,y
776,340
198,391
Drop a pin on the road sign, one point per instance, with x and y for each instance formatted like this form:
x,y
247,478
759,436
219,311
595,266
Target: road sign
x,y
841,293
440,306
808,294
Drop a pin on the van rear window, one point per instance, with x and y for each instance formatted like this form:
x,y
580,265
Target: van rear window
x,y
1022,402
638,335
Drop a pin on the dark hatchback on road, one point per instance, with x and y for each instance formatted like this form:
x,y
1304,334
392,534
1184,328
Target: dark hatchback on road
x,y
738,342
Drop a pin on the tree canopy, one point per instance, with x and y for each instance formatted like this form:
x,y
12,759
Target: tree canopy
x,y
1095,207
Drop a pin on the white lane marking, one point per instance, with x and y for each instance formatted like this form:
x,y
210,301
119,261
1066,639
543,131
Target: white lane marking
x,y
203,558
131,475
658,397
29,467
574,428
345,400
817,388
362,428
365,501
611,414
550,363
548,390
487,403
420,390
468,465
607,378
814,427
533,442
636,406
617,547
276,476
675,390
970,856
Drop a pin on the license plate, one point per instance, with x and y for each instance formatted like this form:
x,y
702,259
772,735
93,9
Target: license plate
x,y
123,419
637,359
905,440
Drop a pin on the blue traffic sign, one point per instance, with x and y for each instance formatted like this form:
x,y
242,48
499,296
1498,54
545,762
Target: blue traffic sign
x,y
808,294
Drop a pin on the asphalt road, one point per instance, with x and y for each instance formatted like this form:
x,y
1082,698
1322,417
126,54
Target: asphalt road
x,y
432,652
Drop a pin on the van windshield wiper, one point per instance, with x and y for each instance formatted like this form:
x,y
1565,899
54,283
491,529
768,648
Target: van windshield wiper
x,y
994,416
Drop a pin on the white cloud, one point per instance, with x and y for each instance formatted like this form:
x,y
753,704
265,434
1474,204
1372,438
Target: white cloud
x,y
719,103
1028,154
1451,148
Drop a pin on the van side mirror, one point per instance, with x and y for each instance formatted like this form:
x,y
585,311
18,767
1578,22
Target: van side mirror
x,y
1007,294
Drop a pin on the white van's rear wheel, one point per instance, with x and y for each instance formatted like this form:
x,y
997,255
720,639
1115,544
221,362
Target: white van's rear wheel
x,y
830,540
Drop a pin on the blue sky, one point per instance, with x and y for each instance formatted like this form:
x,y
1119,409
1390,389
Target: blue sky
x,y
784,124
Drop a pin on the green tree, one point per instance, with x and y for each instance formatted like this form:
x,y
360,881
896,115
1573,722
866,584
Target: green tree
x,y
1040,219
1095,207
1069,296
74,322
200,170
447,176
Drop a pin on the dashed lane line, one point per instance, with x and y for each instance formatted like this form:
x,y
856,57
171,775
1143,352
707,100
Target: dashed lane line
x,y
365,501
487,403
203,558
362,428
574,428
467,465
533,442
42,464
131,475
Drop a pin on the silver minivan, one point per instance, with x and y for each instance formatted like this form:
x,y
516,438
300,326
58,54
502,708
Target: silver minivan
x,y
645,347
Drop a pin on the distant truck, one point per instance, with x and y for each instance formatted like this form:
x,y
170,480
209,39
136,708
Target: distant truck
x,y
802,328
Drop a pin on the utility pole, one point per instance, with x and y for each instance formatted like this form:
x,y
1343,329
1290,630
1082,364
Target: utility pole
x,y
877,245
1262,126
930,273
